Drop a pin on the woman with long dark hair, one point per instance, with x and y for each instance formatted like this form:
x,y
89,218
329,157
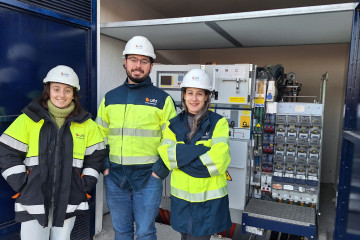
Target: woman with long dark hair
x,y
51,156
196,147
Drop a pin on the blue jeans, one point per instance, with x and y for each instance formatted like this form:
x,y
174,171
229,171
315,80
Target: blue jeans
x,y
127,206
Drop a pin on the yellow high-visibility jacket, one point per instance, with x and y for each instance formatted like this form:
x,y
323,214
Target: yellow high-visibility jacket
x,y
132,118
50,166
199,197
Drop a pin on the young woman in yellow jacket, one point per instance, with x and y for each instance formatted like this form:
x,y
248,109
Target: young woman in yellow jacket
x,y
196,147
51,156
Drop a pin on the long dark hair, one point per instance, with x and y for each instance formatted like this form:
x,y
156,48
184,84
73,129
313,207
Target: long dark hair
x,y
45,96
199,115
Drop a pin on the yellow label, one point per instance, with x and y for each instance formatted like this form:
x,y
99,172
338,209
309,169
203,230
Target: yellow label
x,y
237,99
228,177
246,112
258,125
259,101
244,121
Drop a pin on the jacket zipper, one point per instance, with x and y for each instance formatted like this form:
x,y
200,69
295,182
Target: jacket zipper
x,y
122,137
122,144
56,164
55,168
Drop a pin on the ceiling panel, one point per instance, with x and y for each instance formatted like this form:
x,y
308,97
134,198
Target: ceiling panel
x,y
293,26
322,28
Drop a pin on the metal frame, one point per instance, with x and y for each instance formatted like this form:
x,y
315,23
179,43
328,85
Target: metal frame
x,y
306,231
333,25
351,139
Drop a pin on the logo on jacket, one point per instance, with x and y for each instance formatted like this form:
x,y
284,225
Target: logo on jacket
x,y
151,101
206,136
79,136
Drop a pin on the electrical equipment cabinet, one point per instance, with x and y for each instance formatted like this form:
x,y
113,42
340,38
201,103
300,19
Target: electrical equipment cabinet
x,y
288,171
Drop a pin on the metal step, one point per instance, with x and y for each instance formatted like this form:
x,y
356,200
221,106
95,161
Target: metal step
x,y
279,217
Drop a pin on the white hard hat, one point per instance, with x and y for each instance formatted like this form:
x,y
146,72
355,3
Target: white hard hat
x,y
139,45
197,78
63,74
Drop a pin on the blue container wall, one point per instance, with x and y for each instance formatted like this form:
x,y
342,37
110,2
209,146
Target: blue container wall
x,y
30,45
348,210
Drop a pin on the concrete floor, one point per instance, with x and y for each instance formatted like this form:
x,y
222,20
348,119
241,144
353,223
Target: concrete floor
x,y
325,228
327,209
164,232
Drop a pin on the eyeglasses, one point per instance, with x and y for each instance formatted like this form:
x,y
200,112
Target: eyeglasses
x,y
134,60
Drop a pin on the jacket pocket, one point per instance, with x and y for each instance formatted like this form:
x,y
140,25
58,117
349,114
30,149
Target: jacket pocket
x,y
31,189
77,187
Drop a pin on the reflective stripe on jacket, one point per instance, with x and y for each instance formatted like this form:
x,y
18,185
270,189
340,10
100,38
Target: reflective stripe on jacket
x,y
132,118
48,166
199,201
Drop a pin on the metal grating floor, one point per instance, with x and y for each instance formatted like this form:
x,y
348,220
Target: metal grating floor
x,y
280,212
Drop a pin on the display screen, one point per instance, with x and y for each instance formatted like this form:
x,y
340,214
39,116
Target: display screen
x,y
166,80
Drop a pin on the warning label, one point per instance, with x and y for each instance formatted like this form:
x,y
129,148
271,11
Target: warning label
x,y
245,121
228,177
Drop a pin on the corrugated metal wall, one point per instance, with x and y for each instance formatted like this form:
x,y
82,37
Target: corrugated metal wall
x,y
75,8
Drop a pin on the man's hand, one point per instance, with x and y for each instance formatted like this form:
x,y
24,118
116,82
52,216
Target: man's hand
x,y
106,172
154,174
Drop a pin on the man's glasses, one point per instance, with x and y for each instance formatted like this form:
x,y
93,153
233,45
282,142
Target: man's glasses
x,y
134,60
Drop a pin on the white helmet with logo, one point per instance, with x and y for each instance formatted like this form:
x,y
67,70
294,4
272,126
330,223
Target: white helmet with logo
x,y
139,45
63,74
197,78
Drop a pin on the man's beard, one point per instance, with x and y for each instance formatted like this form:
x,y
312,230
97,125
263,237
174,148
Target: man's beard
x,y
137,80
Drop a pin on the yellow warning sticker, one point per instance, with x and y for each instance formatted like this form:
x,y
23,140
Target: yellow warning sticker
x,y
244,121
228,177
258,125
237,99
246,112
259,101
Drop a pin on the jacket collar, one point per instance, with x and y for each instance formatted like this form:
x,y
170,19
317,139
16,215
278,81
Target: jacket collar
x,y
146,82
178,126
36,112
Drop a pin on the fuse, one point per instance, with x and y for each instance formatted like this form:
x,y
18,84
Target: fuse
x,y
280,119
316,120
279,150
304,120
290,151
280,131
292,119
300,171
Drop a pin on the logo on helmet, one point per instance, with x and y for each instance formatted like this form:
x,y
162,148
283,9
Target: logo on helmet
x,y
64,74
139,46
196,78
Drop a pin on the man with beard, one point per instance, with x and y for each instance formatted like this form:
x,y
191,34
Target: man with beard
x,y
132,118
